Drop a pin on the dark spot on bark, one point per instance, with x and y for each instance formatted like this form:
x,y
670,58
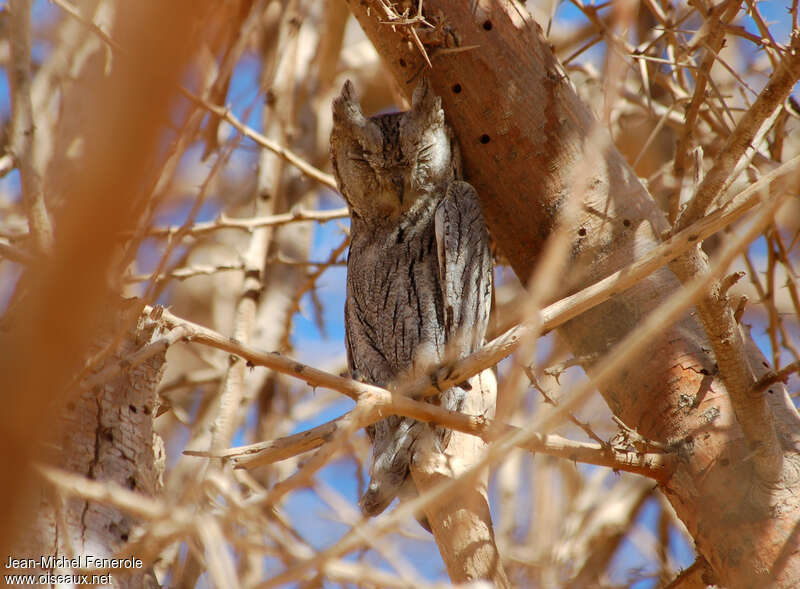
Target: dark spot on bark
x,y
456,88
582,231
692,238
131,482
132,408
299,368
626,222
146,410
402,62
487,26
485,139
107,434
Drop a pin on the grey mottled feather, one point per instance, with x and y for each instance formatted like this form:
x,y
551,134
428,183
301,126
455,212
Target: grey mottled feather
x,y
419,272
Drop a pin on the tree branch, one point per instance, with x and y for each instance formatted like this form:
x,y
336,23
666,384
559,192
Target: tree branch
x,y
655,465
751,408
23,127
721,175
248,224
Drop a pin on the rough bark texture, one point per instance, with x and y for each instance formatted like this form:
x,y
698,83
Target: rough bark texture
x,y
527,141
108,435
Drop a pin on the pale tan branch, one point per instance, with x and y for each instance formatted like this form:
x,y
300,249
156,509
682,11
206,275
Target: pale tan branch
x,y
107,492
751,409
713,36
656,465
772,378
186,272
6,165
159,346
225,222
286,154
23,127
274,361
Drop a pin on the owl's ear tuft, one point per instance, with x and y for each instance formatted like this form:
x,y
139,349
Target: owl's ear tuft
x,y
346,108
425,101
347,113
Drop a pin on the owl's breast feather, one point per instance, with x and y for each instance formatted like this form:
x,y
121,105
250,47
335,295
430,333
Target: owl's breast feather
x,y
394,296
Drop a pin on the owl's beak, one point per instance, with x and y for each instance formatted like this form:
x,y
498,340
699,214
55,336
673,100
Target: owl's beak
x,y
399,186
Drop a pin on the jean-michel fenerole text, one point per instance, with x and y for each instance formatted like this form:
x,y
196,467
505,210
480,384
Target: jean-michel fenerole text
x,y
86,561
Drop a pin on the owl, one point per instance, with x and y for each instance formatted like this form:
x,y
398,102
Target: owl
x,y
419,269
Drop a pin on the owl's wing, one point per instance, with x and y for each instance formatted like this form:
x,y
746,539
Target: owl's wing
x,y
465,268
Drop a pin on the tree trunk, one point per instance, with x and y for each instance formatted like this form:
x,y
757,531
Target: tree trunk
x,y
528,142
108,435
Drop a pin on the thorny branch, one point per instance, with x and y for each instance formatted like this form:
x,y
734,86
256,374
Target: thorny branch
x,y
752,411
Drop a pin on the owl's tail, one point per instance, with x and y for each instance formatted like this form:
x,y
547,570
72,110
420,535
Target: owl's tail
x,y
392,452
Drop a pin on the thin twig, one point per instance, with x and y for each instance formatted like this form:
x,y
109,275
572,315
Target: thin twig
x,y
249,224
720,176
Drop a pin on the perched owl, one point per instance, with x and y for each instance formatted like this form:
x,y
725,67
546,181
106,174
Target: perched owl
x,y
419,271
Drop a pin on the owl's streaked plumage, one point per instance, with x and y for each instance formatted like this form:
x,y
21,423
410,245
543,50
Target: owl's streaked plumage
x,y
419,271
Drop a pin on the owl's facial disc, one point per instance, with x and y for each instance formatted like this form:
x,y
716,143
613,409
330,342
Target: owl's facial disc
x,y
389,164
